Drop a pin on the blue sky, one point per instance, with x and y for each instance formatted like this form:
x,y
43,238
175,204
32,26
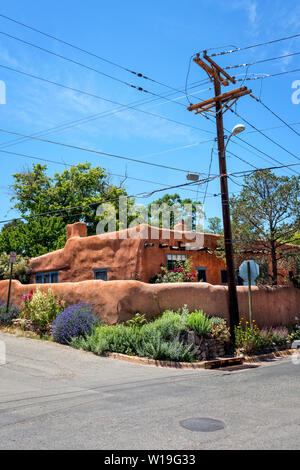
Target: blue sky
x,y
155,38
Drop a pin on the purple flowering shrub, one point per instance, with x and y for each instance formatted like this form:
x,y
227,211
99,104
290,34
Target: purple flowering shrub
x,y
6,318
76,321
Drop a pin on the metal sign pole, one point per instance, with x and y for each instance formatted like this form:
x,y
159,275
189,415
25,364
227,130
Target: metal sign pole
x,y
12,260
250,293
9,288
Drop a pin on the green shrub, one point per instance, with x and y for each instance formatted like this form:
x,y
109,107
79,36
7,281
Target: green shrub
x,y
169,325
159,339
138,320
200,323
249,339
119,338
93,343
42,308
295,335
159,349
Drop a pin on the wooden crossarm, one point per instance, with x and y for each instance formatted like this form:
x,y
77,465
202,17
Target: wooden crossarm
x,y
224,101
218,68
229,94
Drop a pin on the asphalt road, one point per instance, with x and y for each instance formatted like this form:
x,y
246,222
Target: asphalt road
x,y
54,397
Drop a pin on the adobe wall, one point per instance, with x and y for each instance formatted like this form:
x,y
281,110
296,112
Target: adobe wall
x,y
117,301
124,256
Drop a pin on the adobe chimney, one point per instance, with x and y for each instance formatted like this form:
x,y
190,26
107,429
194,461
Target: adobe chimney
x,y
78,229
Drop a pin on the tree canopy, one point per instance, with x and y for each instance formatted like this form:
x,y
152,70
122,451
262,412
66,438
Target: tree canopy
x,y
34,192
192,210
265,215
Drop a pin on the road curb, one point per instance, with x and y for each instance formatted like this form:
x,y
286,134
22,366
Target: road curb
x,y
214,364
273,355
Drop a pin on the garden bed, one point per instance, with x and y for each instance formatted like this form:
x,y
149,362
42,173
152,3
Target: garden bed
x,y
180,337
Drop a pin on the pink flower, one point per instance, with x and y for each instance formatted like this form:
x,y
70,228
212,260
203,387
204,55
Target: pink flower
x,y
24,297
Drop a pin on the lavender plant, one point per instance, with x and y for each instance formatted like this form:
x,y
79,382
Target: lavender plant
x,y
76,321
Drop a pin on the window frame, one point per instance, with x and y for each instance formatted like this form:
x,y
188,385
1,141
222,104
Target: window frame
x,y
43,275
201,269
225,274
175,259
103,270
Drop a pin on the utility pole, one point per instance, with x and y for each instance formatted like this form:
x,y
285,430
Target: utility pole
x,y
221,103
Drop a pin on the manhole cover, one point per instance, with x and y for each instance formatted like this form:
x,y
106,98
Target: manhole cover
x,y
202,424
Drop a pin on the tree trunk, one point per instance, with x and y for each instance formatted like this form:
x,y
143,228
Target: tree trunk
x,y
274,264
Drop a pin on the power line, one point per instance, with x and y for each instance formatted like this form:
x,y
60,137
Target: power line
x,y
97,152
104,99
241,159
139,75
84,206
238,49
252,146
145,195
266,136
80,64
260,61
209,172
72,165
70,124
275,114
267,76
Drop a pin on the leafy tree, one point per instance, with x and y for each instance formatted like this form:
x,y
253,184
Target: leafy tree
x,y
192,210
214,225
34,192
21,269
265,217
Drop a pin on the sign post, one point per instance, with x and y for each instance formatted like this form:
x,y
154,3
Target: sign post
x,y
250,292
249,271
12,260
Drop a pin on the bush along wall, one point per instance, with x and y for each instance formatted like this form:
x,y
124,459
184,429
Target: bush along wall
x,y
175,336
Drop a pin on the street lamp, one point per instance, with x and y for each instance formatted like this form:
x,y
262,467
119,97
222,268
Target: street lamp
x,y
236,130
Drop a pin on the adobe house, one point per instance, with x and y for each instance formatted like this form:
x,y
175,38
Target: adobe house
x,y
136,253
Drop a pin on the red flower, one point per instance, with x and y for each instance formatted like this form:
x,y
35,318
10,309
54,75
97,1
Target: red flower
x,y
31,292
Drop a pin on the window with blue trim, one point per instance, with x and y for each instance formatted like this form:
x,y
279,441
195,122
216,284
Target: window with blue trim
x,y
47,278
100,274
201,274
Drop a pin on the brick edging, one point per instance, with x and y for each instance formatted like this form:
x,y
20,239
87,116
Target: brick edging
x,y
220,362
178,365
272,355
